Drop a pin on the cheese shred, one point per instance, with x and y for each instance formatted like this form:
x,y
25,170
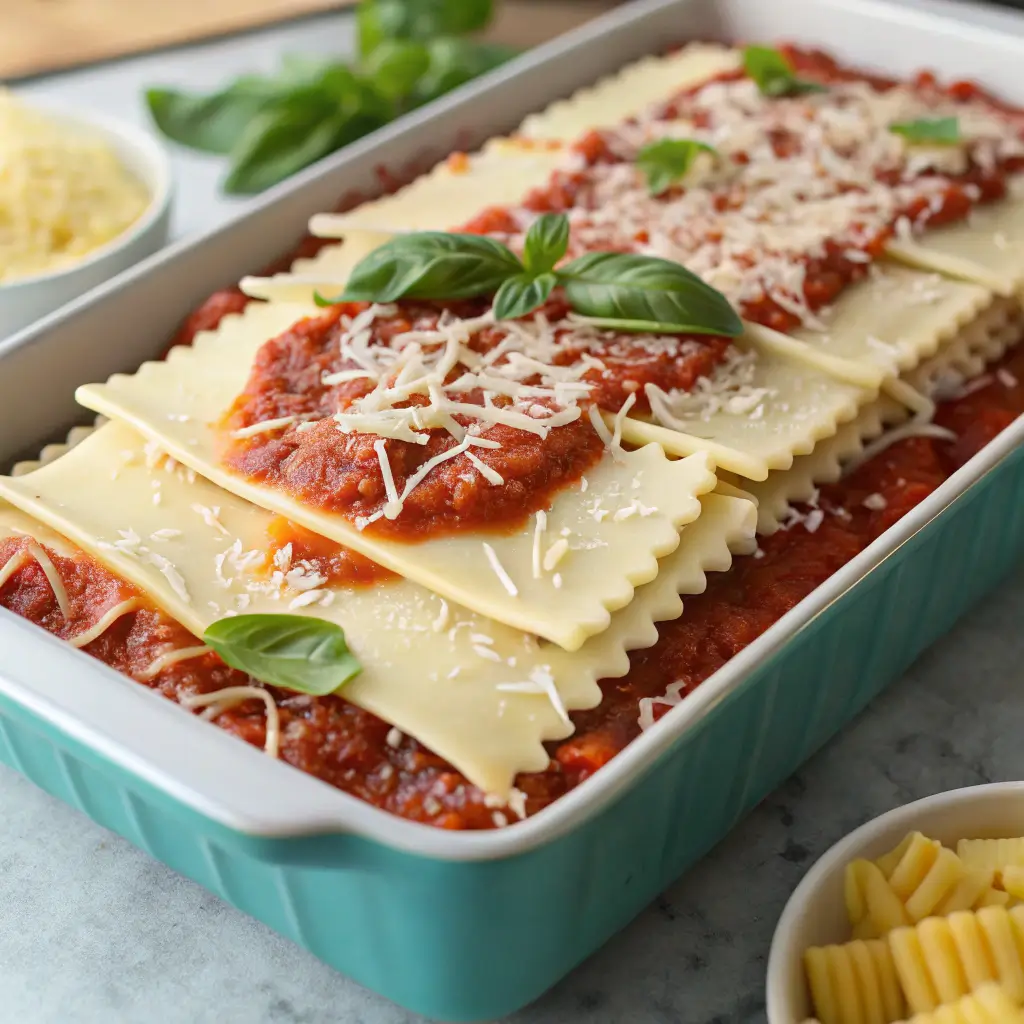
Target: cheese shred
x,y
63,192
50,571
169,658
104,622
219,701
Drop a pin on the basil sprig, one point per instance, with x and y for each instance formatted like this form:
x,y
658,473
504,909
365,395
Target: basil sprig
x,y
294,652
774,75
270,126
668,161
940,131
623,291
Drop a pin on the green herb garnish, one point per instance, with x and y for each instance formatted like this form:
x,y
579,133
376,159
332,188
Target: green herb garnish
x,y
941,131
773,73
624,291
294,652
270,126
668,161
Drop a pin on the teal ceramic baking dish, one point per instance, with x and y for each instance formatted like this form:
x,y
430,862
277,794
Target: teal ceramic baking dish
x,y
466,927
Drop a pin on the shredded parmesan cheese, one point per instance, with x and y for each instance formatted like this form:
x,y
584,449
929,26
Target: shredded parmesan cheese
x,y
104,622
266,427
900,433
13,564
499,570
541,682
219,701
50,571
671,698
63,192
171,657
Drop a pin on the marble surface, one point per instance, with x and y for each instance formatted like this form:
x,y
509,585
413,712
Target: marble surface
x,y
94,932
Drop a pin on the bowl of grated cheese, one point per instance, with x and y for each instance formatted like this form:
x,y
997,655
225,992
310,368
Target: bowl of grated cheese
x,y
82,198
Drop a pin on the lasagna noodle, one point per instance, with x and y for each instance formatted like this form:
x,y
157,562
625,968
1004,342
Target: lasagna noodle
x,y
431,668
982,341
987,248
896,317
631,91
807,392
454,191
175,403
505,170
782,408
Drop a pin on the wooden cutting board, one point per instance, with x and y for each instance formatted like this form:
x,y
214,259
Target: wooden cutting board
x,y
38,36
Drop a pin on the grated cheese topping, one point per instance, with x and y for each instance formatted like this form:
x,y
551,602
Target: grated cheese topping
x,y
463,377
63,192
794,179
104,622
171,657
219,701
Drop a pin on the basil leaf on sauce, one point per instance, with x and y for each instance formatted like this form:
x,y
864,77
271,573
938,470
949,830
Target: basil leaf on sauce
x,y
627,291
431,265
941,131
773,73
546,242
522,294
668,161
630,292
294,652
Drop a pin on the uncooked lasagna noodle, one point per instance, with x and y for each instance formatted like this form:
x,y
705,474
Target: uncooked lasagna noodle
x,y
450,651
482,695
981,341
628,517
771,400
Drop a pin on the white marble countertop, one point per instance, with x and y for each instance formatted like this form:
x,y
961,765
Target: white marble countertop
x,y
92,931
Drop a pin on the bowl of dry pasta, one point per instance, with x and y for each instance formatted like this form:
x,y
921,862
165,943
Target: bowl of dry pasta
x,y
917,916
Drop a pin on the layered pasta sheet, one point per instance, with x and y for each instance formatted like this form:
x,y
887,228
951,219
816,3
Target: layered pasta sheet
x,y
483,694
488,640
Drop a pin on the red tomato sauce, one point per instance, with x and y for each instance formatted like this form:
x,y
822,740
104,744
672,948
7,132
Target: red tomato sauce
x,y
341,472
827,275
349,748
337,564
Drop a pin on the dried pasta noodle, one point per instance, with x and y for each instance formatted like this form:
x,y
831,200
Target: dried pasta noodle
x,y
932,931
989,1005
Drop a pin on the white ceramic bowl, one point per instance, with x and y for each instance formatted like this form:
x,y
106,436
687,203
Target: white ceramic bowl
x,y
25,300
816,912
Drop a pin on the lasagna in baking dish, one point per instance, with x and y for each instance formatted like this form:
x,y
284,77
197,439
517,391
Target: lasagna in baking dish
x,y
506,463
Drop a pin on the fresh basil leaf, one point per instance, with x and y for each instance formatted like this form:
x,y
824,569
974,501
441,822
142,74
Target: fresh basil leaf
x,y
942,131
379,20
638,293
668,161
431,265
773,73
212,123
298,69
289,136
294,652
454,62
396,66
546,242
522,294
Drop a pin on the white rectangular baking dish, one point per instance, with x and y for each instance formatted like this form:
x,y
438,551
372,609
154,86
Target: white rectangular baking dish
x,y
128,320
